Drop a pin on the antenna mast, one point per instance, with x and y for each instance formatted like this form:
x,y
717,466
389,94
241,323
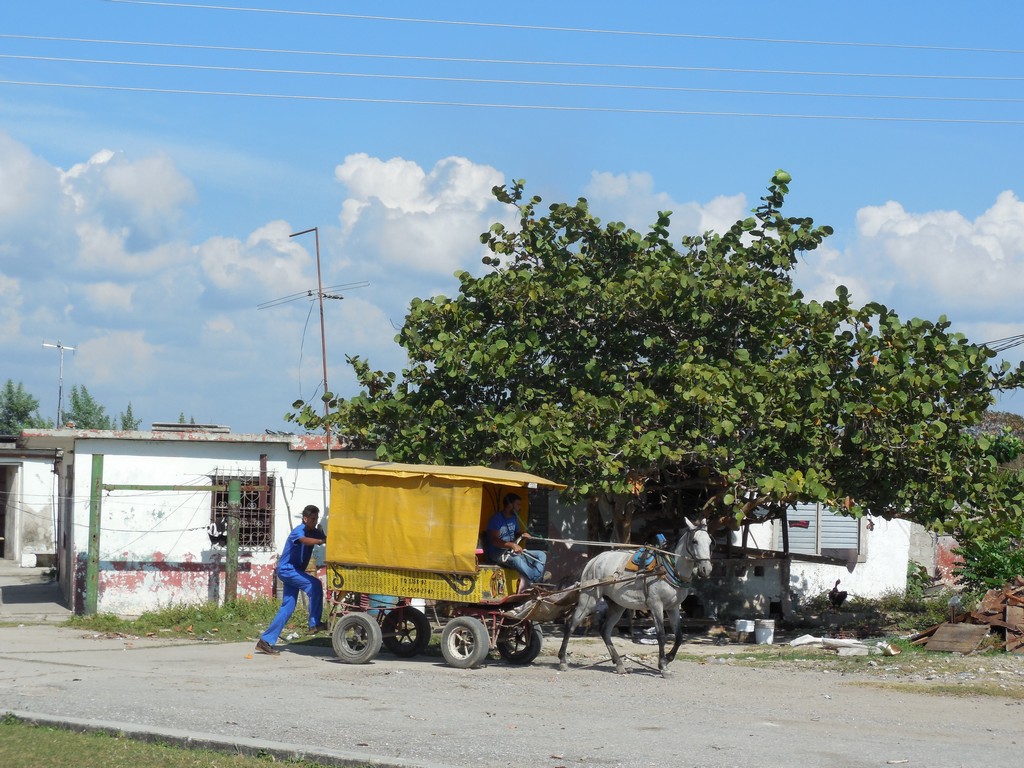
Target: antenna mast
x,y
323,336
60,380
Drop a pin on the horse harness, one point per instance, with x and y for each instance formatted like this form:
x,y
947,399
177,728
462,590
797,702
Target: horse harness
x,y
662,566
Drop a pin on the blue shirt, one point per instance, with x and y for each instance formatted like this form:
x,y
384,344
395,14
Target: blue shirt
x,y
508,529
295,555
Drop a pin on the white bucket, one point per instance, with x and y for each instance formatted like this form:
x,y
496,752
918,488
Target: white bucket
x,y
764,631
744,631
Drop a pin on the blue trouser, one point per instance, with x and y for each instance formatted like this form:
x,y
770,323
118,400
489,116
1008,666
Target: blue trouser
x,y
530,564
295,582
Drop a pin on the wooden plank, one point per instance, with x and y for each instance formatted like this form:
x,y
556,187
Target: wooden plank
x,y
1015,617
957,638
992,602
1014,642
924,634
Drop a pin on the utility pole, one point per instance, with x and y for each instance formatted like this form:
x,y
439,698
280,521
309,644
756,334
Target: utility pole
x,y
231,568
60,380
321,294
323,336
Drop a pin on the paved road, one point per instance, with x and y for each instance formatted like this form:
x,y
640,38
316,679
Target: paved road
x,y
421,712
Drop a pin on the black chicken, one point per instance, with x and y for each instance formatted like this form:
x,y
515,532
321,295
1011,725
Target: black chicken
x,y
836,597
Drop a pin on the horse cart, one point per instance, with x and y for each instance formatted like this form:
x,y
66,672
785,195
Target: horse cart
x,y
402,535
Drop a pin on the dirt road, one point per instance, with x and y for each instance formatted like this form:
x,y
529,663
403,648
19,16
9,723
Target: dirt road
x,y
711,712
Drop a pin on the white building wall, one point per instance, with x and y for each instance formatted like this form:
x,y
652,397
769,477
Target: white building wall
x,y
31,504
154,547
752,589
883,570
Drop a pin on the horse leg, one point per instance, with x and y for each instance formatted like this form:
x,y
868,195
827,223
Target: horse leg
x,y
677,629
615,612
658,617
583,609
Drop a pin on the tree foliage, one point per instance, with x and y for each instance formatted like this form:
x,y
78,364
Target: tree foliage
x,y
19,410
126,419
604,356
85,411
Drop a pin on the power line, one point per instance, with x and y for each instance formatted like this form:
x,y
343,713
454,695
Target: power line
x,y
518,62
1002,345
486,105
497,81
580,30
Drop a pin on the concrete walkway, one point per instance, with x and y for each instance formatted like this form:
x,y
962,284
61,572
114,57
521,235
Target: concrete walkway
x,y
30,595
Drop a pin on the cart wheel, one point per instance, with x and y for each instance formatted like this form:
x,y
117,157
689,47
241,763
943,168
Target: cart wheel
x,y
521,644
406,631
464,642
356,638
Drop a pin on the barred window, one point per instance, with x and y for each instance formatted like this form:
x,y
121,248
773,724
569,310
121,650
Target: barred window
x,y
256,512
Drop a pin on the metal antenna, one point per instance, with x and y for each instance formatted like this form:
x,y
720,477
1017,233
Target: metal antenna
x,y
320,295
60,380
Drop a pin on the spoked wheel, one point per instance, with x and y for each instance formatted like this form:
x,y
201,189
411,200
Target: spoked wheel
x,y
406,631
465,642
356,638
521,644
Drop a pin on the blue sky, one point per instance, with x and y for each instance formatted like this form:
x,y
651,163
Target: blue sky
x,y
155,156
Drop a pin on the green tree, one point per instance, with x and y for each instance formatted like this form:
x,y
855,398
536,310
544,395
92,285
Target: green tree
x,y
126,419
606,357
1005,446
85,412
19,410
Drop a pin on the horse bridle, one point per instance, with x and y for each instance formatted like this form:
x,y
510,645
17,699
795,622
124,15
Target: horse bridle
x,y
690,546
671,572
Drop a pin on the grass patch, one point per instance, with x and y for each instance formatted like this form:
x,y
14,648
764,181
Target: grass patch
x,y
892,613
231,622
23,745
947,689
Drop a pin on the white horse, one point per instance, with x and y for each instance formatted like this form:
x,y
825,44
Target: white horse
x,y
659,591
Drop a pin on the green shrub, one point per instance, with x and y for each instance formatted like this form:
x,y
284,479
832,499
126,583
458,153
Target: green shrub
x,y
988,563
918,580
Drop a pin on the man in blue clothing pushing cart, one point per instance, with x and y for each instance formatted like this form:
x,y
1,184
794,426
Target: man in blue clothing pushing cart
x,y
291,569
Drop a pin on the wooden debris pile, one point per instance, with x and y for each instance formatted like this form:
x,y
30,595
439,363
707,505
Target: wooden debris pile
x,y
1004,609
1000,610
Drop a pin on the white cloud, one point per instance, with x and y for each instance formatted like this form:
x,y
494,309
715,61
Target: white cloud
x,y
109,297
944,259
395,183
120,357
28,186
10,302
632,199
823,270
931,263
403,216
219,326
145,196
106,251
35,227
267,266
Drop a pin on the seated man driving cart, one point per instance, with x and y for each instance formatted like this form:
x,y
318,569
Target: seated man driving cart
x,y
502,543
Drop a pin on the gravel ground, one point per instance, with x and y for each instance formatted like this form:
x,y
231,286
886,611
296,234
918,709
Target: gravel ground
x,y
718,708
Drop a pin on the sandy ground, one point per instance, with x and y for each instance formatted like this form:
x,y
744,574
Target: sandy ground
x,y
713,710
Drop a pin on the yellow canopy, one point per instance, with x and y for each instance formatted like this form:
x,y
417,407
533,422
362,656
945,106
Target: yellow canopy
x,y
415,516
